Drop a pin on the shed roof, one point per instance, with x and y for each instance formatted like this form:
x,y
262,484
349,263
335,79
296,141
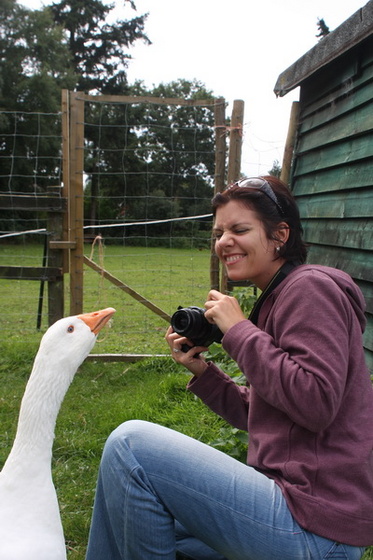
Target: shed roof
x,y
350,33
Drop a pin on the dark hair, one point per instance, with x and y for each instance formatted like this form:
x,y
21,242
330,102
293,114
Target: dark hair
x,y
295,249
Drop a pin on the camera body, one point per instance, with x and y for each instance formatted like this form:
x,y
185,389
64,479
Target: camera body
x,y
192,323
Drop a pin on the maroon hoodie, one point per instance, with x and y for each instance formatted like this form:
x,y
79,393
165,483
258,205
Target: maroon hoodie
x,y
309,407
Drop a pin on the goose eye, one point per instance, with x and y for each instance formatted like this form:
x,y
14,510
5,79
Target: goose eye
x,y
70,329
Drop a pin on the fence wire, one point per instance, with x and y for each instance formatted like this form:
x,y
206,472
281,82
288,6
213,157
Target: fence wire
x,y
148,183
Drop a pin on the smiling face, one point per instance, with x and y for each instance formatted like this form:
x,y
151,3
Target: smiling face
x,y
242,245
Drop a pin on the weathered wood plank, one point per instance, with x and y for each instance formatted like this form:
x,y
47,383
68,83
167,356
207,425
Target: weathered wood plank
x,y
47,274
117,282
356,264
369,361
338,91
335,106
346,126
123,357
353,234
339,205
76,200
353,265
368,334
357,175
368,343
323,157
327,82
146,99
367,291
63,245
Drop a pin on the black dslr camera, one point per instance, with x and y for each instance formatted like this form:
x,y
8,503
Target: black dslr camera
x,y
192,323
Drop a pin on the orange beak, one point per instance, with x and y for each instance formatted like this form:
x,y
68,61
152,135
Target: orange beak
x,y
97,319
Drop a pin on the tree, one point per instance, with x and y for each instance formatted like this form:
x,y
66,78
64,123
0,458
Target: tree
x,y
276,169
71,45
98,49
63,46
177,142
167,152
34,60
34,66
111,147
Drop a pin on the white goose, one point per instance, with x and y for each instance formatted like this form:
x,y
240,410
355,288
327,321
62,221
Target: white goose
x,y
30,523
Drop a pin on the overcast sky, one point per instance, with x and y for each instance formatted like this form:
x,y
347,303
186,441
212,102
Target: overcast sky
x,y
237,48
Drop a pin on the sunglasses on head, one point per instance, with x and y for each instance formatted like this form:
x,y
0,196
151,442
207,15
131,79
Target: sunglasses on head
x,y
262,185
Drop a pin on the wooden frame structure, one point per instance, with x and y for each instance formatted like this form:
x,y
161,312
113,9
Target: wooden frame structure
x,y
73,174
52,272
64,248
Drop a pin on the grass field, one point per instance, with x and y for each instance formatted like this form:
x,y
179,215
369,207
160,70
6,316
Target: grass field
x,y
104,395
166,277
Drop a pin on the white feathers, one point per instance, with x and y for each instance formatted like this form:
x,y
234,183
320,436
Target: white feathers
x,y
30,524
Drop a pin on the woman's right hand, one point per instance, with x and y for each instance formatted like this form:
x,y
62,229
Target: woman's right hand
x,y
192,359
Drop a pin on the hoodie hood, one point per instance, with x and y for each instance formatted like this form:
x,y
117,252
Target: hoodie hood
x,y
346,284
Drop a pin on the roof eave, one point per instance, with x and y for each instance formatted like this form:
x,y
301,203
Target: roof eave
x,y
350,33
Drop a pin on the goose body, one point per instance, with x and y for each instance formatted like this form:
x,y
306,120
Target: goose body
x,y
30,523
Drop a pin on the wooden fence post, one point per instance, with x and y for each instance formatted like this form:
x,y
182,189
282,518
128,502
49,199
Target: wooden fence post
x,y
55,259
219,183
65,129
76,200
290,142
234,159
235,141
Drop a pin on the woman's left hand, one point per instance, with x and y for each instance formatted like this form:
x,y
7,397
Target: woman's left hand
x,y
223,310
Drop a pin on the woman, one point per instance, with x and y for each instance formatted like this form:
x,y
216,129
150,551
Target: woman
x,y
307,489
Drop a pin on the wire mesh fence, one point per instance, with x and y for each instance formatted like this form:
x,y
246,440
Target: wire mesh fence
x,y
148,178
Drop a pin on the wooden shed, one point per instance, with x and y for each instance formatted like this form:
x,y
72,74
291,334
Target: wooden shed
x,y
332,167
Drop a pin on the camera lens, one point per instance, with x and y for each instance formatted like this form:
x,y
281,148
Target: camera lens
x,y
192,323
181,321
187,321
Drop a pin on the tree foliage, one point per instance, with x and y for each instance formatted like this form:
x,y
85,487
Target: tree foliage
x,y
99,50
167,157
34,66
34,60
63,46
76,45
276,169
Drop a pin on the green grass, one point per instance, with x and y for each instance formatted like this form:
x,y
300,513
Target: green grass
x,y
166,277
103,395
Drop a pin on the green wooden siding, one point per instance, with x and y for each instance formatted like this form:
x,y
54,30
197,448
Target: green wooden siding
x,y
332,175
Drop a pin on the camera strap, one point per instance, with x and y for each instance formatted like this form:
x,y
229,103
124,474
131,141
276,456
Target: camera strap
x,y
276,280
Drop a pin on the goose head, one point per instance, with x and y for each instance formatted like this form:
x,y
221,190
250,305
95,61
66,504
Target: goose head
x,y
63,348
69,341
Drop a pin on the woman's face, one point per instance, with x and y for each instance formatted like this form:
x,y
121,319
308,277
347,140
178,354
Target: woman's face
x,y
242,245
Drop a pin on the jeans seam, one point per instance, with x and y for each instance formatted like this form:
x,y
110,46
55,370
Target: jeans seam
x,y
229,508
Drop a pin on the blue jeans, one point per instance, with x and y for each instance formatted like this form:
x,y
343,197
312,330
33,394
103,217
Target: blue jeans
x,y
160,491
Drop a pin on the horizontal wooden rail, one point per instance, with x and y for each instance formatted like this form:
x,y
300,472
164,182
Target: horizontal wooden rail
x,y
123,357
44,273
147,99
